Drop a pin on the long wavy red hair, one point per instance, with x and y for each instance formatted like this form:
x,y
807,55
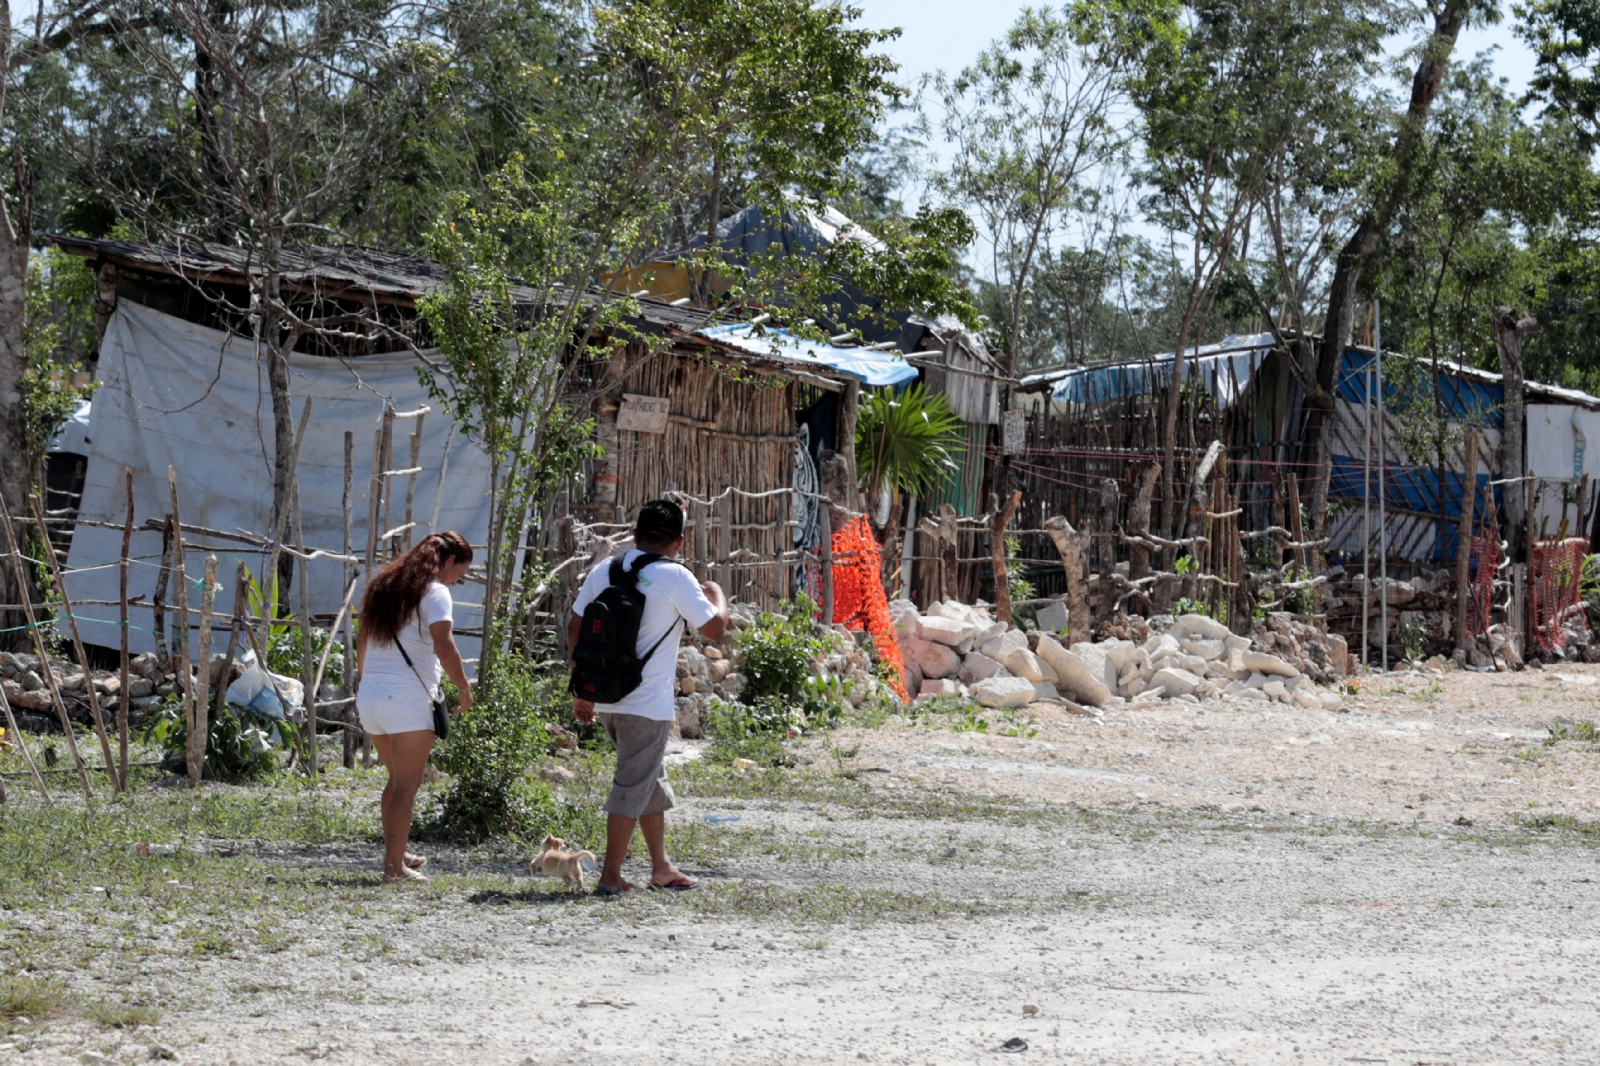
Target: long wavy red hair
x,y
393,596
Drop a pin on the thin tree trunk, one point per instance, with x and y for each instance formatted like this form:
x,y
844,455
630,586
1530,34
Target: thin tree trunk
x,y
1509,330
1371,231
14,235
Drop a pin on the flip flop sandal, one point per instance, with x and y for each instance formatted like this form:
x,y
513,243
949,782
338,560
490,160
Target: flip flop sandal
x,y
682,884
408,875
415,862
603,891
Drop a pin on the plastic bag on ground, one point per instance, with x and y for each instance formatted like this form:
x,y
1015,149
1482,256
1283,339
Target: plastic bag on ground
x,y
254,690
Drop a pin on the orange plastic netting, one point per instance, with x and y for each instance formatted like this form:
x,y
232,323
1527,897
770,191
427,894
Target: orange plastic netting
x,y
859,601
1485,557
1556,589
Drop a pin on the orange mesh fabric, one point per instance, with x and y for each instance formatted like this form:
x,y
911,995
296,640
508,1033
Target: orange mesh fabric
x,y
1556,588
1485,558
859,601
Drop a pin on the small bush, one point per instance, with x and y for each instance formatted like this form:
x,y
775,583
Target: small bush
x,y
285,654
241,745
489,756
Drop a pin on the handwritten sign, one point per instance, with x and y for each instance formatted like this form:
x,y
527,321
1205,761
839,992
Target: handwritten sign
x,y
1014,432
644,414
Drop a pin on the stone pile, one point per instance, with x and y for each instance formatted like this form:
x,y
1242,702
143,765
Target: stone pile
x,y
23,686
958,650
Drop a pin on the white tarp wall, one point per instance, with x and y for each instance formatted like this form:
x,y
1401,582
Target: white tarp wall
x,y
1563,445
174,393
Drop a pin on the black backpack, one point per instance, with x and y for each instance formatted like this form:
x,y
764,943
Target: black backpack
x,y
606,662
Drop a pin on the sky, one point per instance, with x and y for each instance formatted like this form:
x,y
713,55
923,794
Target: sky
x,y
947,34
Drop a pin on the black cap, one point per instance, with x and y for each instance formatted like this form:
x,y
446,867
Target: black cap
x,y
659,520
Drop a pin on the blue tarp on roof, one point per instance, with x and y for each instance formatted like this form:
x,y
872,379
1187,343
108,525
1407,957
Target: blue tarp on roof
x,y
1224,369
873,368
1461,395
1413,488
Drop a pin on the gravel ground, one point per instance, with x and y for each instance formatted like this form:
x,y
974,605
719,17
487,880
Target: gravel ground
x,y
1165,887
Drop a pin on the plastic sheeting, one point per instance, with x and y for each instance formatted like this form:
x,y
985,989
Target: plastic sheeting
x,y
874,368
1224,369
175,393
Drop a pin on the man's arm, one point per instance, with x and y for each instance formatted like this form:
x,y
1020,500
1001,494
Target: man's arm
x,y
718,626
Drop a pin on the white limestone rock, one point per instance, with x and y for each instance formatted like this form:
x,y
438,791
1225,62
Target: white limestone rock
x,y
1275,690
1052,617
940,687
1023,664
1044,690
1076,678
999,647
1199,626
1161,644
978,667
1261,662
1176,682
1208,650
946,631
1306,696
1098,658
1004,692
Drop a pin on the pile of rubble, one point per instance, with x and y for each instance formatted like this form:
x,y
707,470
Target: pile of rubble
x,y
23,685
954,649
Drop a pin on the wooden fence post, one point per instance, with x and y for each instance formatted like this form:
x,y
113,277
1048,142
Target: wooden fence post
x,y
180,626
1469,500
1071,544
39,645
53,567
200,727
122,675
997,553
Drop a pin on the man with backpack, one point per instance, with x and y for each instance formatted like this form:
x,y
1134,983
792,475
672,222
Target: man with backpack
x,y
624,635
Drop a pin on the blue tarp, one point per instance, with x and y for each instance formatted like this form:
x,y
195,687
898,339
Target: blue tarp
x,y
1462,396
1411,488
871,367
1223,368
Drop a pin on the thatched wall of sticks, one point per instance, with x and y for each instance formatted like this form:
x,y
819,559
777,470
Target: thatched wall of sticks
x,y
725,428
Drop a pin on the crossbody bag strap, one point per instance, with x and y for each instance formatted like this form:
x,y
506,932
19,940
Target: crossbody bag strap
x,y
407,658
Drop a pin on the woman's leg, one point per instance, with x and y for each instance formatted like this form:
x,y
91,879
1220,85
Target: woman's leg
x,y
405,755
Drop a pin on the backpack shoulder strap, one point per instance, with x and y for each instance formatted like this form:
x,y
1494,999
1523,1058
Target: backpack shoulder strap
x,y
620,574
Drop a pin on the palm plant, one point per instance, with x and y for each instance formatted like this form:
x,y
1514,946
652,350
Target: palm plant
x,y
904,442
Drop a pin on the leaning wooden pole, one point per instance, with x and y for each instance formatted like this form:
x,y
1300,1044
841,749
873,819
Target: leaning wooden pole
x,y
122,669
305,641
54,569
200,725
349,576
1469,501
825,521
241,607
39,646
180,627
997,557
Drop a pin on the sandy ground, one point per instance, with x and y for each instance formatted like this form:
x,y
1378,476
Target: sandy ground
x,y
1412,747
1179,887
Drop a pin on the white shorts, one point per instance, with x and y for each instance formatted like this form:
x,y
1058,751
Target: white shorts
x,y
382,713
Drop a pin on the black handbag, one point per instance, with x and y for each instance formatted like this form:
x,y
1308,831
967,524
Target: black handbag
x,y
441,710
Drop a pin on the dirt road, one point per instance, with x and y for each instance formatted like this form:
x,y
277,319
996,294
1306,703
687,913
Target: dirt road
x,y
1165,887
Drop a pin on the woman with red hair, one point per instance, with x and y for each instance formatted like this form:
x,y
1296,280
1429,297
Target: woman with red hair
x,y
404,646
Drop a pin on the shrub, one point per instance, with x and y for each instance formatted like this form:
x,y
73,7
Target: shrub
x,y
489,756
241,745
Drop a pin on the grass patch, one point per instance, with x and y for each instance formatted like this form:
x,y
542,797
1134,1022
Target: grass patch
x,y
1584,732
34,998
1586,830
121,1015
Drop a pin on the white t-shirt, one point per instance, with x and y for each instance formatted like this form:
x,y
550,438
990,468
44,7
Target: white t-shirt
x,y
386,673
670,593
